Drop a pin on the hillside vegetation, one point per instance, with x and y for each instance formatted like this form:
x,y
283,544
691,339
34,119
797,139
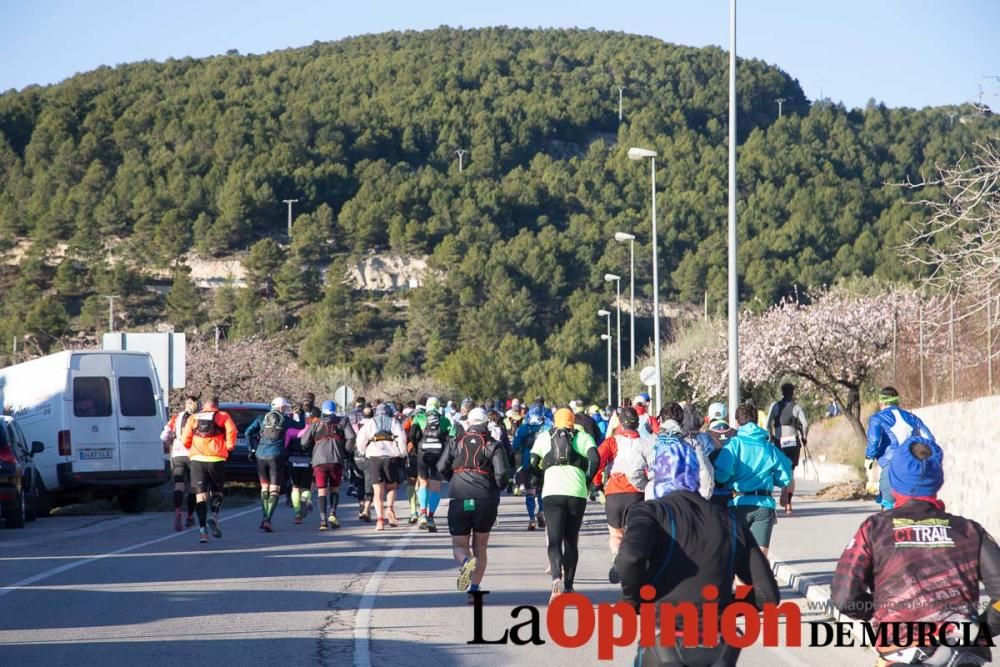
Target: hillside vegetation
x,y
136,166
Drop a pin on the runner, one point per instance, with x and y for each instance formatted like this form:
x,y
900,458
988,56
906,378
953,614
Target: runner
x,y
412,473
429,433
671,430
514,416
568,460
647,423
270,451
585,421
712,441
788,427
363,489
328,442
524,440
674,542
210,436
887,428
180,462
627,456
383,443
298,463
477,469
751,466
917,563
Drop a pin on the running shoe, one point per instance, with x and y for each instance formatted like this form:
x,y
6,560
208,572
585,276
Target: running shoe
x,y
541,520
614,576
267,526
557,589
189,521
393,522
213,524
423,522
203,535
465,573
379,524
365,516
334,521
531,524
431,526
297,520
548,568
414,518
178,521
322,525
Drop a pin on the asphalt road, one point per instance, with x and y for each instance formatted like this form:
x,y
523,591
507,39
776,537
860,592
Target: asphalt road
x,y
107,590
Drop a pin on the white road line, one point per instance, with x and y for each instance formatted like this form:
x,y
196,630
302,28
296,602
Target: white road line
x,y
366,607
41,576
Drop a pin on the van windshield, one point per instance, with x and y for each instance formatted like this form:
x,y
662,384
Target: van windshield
x,y
91,397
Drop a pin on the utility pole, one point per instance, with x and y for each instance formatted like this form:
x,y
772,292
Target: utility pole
x,y
111,312
289,202
780,101
460,153
216,338
951,117
620,89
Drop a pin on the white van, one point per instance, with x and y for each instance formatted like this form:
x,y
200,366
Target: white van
x,y
99,415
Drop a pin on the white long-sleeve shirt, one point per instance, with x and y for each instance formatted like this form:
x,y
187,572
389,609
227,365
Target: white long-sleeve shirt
x,y
369,448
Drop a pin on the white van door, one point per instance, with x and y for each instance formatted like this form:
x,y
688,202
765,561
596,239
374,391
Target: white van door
x,y
92,416
140,419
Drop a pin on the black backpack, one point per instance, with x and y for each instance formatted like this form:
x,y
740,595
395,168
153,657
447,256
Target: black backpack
x,y
205,425
561,451
273,426
431,438
475,453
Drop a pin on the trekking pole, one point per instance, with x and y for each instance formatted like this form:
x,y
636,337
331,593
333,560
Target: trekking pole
x,y
809,459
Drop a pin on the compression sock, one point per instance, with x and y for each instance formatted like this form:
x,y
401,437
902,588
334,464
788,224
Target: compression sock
x,y
473,588
202,509
216,503
322,507
411,494
334,501
264,496
191,504
178,499
422,499
272,502
541,503
296,500
529,502
306,495
434,498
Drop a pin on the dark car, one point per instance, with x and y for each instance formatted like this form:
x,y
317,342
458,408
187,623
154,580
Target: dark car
x,y
19,479
239,467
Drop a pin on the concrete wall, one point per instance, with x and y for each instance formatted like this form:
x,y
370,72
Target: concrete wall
x,y
969,434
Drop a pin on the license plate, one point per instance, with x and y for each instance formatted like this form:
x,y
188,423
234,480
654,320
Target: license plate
x,y
89,454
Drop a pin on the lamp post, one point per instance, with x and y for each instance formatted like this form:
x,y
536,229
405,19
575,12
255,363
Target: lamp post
x,y
641,154
621,237
734,338
617,280
607,337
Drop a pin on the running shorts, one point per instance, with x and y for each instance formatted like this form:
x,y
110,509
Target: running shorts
x,y
617,504
181,469
760,521
792,453
208,476
473,515
328,475
300,470
383,469
427,467
269,471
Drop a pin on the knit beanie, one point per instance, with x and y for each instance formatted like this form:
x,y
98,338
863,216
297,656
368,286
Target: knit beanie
x,y
910,476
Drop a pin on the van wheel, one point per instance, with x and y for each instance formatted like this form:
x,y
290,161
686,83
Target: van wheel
x,y
13,511
133,501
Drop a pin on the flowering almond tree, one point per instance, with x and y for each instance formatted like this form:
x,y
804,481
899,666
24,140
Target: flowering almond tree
x,y
837,343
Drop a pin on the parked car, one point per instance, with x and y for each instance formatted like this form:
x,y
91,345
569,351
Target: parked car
x,y
239,467
19,478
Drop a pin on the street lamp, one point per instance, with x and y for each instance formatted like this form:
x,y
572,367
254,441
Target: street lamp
x,y
621,237
734,295
617,280
607,337
641,154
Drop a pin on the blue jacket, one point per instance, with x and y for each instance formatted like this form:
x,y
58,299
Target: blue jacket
x,y
888,428
523,437
268,449
749,462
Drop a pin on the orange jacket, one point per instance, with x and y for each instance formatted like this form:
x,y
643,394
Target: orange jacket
x,y
215,446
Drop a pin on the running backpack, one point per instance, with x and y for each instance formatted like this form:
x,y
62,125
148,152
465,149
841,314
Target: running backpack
x,y
561,451
431,439
206,426
474,453
273,426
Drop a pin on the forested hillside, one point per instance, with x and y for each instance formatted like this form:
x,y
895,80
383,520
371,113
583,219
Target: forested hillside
x,y
134,167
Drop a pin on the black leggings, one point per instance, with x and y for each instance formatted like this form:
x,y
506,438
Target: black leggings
x,y
563,518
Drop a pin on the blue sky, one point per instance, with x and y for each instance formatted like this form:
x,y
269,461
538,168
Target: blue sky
x,y
903,52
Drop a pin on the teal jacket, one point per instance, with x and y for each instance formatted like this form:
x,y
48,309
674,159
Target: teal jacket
x,y
749,462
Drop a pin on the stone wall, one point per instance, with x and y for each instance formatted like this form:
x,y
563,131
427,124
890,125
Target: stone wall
x,y
969,433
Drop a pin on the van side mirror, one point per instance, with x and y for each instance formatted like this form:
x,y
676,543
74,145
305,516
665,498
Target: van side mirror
x,y
37,447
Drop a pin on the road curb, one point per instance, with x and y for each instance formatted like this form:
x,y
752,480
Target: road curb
x,y
810,589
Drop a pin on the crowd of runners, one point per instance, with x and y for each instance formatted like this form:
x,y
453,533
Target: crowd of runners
x,y
689,499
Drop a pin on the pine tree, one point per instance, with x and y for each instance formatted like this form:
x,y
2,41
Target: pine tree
x,y
261,264
183,301
47,322
295,284
70,278
330,331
